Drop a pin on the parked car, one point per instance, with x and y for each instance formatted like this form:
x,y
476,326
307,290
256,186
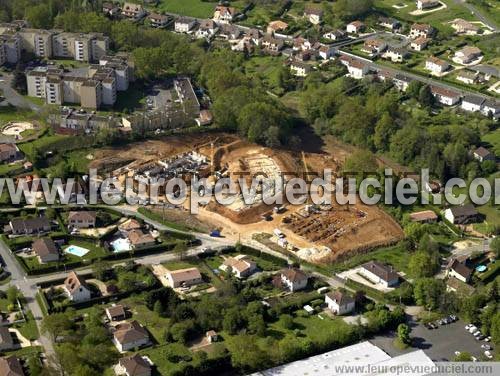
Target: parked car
x,y
468,326
488,354
486,347
487,339
472,329
453,318
457,353
481,337
476,333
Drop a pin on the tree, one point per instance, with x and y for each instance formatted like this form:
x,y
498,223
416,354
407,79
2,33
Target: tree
x,y
39,16
180,250
384,129
423,264
495,246
428,292
463,357
404,334
245,353
158,308
495,329
361,161
19,82
56,323
13,294
287,322
414,88
425,96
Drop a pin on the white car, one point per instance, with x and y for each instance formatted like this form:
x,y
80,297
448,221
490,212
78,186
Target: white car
x,y
457,353
468,326
488,354
486,347
476,334
487,339
472,329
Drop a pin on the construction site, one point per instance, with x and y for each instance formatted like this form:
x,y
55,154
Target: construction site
x,y
320,234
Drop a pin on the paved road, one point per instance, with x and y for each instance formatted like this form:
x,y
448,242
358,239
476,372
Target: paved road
x,y
12,96
28,289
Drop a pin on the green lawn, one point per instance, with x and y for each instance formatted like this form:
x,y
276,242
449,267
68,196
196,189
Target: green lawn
x,y
192,8
493,138
28,329
184,264
12,114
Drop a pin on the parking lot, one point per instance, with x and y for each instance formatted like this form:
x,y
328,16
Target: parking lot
x,y
439,344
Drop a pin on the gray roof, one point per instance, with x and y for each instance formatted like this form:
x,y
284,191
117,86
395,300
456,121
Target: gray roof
x,y
474,99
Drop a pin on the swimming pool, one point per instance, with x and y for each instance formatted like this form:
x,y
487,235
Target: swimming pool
x,y
121,245
481,268
76,250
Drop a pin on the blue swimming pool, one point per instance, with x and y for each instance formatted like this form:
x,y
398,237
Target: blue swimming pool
x,y
76,250
481,268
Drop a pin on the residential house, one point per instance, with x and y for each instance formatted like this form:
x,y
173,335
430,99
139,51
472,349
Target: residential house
x,y
340,303
116,313
355,27
299,69
276,26
374,46
357,69
229,32
159,21
467,55
293,279
205,118
421,30
207,29
130,335
110,9
436,65
472,103
313,14
45,250
6,340
335,34
82,219
426,4
419,44
458,270
10,366
135,11
380,273
212,336
138,239
461,288
389,23
184,277
8,152
184,24
253,36
129,225
426,216
445,96
401,81
241,266
461,214
482,154
395,54
271,44
491,108
462,26
326,52
76,289
223,14
468,77
135,365
29,226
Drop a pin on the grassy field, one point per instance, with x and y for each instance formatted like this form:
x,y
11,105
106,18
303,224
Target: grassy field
x,y
493,138
192,8
11,114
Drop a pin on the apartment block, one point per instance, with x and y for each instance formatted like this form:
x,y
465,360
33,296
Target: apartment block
x,y
94,88
10,48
